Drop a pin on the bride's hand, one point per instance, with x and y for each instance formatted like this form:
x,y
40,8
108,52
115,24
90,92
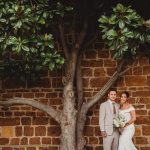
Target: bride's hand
x,y
126,124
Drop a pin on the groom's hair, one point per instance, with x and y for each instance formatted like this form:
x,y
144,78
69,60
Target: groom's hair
x,y
112,89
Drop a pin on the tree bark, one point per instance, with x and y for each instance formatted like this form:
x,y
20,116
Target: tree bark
x,y
68,119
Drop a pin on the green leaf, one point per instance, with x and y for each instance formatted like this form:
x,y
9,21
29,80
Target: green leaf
x,y
121,24
103,19
112,33
25,48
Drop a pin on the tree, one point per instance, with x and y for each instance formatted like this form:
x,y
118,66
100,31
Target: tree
x,y
25,31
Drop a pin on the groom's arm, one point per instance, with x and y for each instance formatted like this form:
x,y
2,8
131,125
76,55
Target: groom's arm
x,y
102,114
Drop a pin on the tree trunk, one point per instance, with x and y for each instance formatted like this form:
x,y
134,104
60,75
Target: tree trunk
x,y
68,119
80,127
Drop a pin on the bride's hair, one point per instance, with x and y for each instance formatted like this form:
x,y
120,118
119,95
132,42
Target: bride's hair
x,y
126,93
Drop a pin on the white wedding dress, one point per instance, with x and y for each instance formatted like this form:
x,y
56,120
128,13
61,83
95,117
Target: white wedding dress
x,y
125,139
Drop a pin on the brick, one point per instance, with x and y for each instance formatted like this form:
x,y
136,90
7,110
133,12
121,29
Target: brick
x,y
31,148
141,112
141,140
57,82
56,141
88,131
99,148
98,82
120,82
51,95
30,113
46,140
136,80
9,122
141,94
93,140
97,131
18,131
87,72
28,95
7,131
110,71
4,141
24,141
14,141
145,148
43,100
109,63
93,63
137,71
55,101
138,131
143,120
101,140
28,131
91,54
52,148
18,94
40,121
103,54
146,70
89,148
53,122
19,113
53,131
6,148
146,130
26,121
148,106
20,148
35,140
86,82
87,94
40,131
99,72
94,121
143,61
7,95
37,95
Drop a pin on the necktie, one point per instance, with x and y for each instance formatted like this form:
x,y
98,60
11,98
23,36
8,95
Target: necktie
x,y
114,108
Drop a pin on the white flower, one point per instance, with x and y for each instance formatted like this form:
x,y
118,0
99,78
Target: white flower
x,y
119,121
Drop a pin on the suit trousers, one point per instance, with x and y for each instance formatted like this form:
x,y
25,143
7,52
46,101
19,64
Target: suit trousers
x,y
111,141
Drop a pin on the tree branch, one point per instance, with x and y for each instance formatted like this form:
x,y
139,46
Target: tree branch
x,y
48,109
105,88
73,27
82,35
62,36
79,82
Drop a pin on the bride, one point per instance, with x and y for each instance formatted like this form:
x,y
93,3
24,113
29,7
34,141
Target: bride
x,y
127,133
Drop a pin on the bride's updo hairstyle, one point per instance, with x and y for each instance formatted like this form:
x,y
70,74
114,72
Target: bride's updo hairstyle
x,y
126,93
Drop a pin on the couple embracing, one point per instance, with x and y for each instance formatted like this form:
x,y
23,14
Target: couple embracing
x,y
117,138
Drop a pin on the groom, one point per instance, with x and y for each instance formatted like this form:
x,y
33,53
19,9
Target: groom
x,y
107,112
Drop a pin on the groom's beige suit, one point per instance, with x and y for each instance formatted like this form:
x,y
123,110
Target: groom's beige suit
x,y
106,115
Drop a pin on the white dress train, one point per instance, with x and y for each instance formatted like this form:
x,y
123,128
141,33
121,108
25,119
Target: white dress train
x,y
125,139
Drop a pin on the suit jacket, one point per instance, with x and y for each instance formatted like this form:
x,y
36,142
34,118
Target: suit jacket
x,y
106,116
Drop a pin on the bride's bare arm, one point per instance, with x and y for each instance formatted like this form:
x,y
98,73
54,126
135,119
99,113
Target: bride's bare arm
x,y
133,118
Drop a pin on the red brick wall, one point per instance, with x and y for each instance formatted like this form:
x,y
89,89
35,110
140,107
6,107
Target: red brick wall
x,y
25,128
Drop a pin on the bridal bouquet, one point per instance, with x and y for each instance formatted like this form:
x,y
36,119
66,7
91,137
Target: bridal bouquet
x,y
119,121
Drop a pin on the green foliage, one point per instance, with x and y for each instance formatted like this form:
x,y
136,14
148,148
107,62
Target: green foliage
x,y
25,38
124,31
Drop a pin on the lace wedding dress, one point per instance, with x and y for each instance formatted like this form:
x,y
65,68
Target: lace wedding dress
x,y
125,139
